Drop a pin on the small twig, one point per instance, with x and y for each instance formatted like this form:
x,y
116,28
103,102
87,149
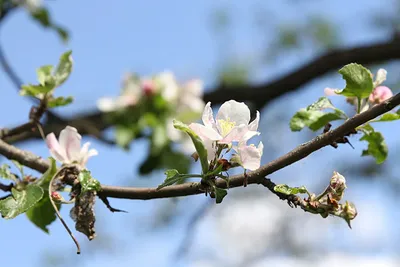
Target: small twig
x,y
58,213
6,188
108,205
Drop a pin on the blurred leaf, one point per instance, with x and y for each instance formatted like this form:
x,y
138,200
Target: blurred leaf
x,y
358,81
287,190
42,16
220,193
35,90
60,101
159,139
124,136
288,36
377,147
43,213
64,68
388,117
313,118
44,75
5,173
322,32
88,183
198,144
234,74
20,201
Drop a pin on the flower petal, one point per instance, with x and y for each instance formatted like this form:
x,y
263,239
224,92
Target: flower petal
x,y
380,77
235,135
208,116
70,141
249,135
253,126
56,150
234,111
85,154
107,104
330,91
194,87
250,156
204,132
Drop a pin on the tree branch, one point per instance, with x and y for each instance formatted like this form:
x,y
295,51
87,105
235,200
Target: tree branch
x,y
259,94
255,177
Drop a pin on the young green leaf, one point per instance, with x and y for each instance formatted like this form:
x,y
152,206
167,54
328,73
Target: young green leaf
x,y
198,144
44,75
314,118
35,90
20,201
42,16
358,81
377,147
88,183
388,117
64,68
173,177
287,190
220,193
42,214
59,101
44,181
5,173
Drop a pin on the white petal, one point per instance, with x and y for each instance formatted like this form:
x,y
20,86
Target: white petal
x,y
330,91
211,149
70,141
194,87
208,116
56,150
234,111
380,77
250,156
107,104
173,134
169,86
191,103
235,135
249,135
253,126
204,132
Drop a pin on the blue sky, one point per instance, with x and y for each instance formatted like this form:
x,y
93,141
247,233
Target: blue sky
x,y
149,37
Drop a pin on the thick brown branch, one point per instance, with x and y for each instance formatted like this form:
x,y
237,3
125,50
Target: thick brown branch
x,y
258,94
256,177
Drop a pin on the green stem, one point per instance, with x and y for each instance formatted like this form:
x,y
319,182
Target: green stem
x,y
58,213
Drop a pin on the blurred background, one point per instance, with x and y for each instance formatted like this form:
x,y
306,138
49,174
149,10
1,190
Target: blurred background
x,y
221,42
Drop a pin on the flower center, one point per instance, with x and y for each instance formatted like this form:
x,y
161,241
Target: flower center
x,y
226,126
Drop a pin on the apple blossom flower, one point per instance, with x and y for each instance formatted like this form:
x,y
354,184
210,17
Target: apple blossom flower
x,y
230,125
67,149
32,5
249,156
380,94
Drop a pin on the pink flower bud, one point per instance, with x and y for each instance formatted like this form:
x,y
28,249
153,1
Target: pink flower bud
x,y
56,196
380,94
148,87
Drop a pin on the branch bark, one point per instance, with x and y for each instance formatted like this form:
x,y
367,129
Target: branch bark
x,y
259,94
256,177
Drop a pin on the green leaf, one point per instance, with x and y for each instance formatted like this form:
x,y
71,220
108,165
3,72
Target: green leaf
x,y
64,68
35,90
5,173
358,81
388,117
43,213
314,118
220,193
159,139
42,16
60,101
19,166
377,147
287,190
20,201
198,144
44,75
44,181
124,136
173,177
88,183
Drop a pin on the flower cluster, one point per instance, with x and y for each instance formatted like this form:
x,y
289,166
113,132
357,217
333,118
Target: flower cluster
x,y
231,129
378,95
187,96
67,149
